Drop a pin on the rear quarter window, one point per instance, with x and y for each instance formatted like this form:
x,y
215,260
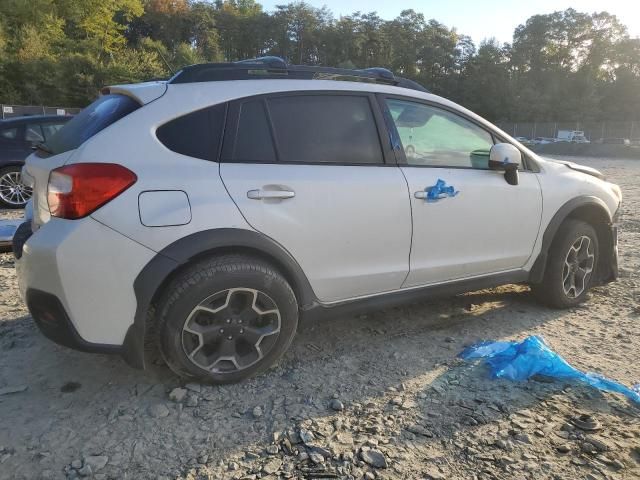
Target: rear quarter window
x,y
197,134
105,111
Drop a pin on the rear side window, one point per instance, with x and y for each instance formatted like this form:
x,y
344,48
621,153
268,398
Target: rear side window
x,y
50,129
33,133
9,133
197,134
325,129
96,117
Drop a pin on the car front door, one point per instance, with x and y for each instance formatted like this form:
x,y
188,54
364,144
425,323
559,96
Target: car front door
x,y
480,225
310,171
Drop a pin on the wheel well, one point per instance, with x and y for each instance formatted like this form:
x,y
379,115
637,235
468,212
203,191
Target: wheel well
x,y
253,252
599,219
11,164
591,211
150,332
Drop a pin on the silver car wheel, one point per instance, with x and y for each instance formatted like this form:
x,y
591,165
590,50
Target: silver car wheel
x,y
12,190
231,330
578,267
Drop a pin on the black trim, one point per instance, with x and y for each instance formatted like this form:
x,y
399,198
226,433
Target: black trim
x,y
52,320
613,262
272,131
564,212
416,294
159,270
146,285
20,237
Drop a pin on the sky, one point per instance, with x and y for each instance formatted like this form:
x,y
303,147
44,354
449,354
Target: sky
x,y
480,19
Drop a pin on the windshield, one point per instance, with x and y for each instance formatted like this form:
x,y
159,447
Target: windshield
x,y
93,119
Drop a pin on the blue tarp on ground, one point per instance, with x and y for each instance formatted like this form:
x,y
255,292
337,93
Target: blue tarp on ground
x,y
532,356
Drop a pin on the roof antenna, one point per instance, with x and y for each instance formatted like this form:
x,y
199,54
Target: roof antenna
x,y
165,61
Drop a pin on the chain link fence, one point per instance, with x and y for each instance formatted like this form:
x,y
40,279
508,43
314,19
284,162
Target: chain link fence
x,y
592,130
9,111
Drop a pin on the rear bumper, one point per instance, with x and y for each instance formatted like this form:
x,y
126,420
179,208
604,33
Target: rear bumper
x,y
76,277
52,320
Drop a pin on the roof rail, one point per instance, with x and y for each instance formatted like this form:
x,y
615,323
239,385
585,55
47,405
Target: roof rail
x,y
277,68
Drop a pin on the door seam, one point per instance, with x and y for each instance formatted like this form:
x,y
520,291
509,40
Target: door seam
x,y
411,236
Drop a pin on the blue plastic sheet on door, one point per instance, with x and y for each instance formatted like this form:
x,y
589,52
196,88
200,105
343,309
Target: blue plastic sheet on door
x,y
439,190
532,356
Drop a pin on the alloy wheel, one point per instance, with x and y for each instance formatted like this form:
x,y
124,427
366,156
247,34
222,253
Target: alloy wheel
x,y
578,267
231,330
12,190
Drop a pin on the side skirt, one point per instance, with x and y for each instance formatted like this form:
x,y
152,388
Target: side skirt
x,y
413,295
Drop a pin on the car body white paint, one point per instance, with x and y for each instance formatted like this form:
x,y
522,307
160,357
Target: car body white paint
x,y
328,226
481,230
355,231
90,268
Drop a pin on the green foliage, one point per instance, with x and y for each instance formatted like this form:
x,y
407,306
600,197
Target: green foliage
x,y
561,66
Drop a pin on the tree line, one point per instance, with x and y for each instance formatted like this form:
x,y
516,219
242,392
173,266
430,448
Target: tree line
x,y
563,66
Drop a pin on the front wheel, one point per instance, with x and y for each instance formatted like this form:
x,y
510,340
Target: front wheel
x,y
571,266
13,193
226,318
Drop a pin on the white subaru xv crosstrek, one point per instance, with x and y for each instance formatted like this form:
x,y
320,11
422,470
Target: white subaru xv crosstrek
x,y
202,216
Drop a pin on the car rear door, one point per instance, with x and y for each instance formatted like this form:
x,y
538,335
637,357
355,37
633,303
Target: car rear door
x,y
309,170
484,225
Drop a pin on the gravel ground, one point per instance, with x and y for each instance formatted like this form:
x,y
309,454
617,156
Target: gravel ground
x,y
373,396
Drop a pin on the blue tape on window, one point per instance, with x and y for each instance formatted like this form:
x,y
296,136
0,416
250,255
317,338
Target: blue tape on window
x,y
440,190
522,360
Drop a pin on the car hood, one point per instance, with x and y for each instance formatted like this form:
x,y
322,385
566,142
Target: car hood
x,y
578,168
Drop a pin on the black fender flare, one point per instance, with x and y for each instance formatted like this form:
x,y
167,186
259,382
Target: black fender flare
x,y
537,271
158,272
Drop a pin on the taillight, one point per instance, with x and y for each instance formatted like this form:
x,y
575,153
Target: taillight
x,y
77,190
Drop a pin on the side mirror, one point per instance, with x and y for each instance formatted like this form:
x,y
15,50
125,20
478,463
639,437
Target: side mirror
x,y
507,158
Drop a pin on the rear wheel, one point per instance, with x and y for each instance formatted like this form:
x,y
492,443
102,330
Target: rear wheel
x,y
571,266
226,319
13,194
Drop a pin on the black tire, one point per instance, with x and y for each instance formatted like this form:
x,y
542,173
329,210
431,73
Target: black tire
x,y
241,275
552,291
7,199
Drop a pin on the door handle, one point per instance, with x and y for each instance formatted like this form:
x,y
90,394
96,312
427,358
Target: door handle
x,y
424,195
270,194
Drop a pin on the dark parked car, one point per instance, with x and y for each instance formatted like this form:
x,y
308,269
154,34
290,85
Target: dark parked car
x,y
18,136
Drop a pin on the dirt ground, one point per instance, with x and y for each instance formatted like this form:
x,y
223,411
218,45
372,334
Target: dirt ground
x,y
380,395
